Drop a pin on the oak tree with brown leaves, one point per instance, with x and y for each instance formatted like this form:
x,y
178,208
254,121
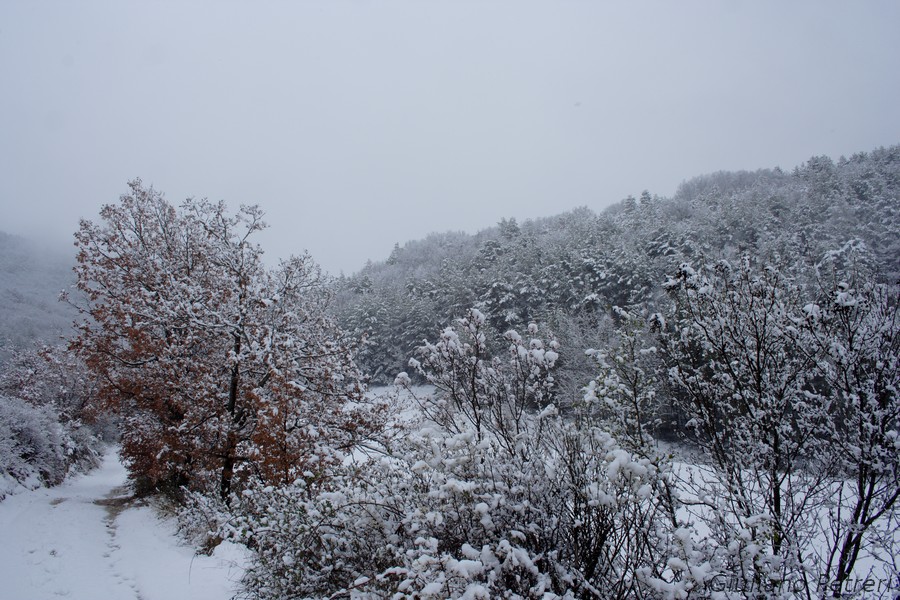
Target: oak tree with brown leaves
x,y
222,368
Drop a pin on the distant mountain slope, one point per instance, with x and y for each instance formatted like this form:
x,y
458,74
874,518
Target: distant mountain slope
x,y
31,278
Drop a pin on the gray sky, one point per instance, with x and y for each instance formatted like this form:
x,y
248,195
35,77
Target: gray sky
x,y
357,124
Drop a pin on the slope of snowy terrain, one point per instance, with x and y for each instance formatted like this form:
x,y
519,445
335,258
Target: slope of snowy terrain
x,y
85,540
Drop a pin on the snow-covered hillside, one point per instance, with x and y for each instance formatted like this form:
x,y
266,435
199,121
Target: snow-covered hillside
x,y
31,277
87,540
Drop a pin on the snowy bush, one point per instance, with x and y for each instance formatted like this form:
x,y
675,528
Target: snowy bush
x,y
624,393
794,404
200,519
43,434
33,445
489,496
456,518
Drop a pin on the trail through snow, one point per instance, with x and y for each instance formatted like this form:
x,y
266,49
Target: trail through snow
x,y
85,540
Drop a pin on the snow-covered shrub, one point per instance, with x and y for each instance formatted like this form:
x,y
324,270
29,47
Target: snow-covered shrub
x,y
853,328
489,496
624,394
33,445
43,434
794,405
456,518
477,390
200,519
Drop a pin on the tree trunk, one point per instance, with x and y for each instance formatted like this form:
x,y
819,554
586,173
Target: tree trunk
x,y
229,457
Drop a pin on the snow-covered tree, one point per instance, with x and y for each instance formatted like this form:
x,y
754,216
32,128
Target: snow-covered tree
x,y
625,392
221,368
795,406
750,391
853,329
492,393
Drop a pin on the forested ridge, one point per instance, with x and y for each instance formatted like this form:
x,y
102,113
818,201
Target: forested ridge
x,y
570,270
686,397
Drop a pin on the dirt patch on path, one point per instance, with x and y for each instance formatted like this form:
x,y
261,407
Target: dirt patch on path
x,y
117,500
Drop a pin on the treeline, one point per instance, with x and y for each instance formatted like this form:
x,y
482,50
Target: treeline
x,y
569,271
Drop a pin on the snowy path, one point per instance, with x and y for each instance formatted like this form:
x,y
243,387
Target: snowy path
x,y
80,541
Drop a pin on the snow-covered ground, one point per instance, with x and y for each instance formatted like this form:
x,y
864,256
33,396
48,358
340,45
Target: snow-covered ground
x,y
83,540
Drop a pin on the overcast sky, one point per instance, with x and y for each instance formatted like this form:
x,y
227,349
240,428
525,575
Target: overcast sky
x,y
358,124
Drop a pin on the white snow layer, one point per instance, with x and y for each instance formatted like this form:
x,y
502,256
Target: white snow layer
x,y
80,541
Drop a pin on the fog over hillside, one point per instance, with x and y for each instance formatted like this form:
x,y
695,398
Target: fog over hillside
x,y
31,277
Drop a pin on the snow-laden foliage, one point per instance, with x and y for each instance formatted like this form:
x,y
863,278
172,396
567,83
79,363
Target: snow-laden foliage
x,y
34,447
753,403
625,392
794,403
222,370
492,495
574,267
854,331
45,429
491,393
